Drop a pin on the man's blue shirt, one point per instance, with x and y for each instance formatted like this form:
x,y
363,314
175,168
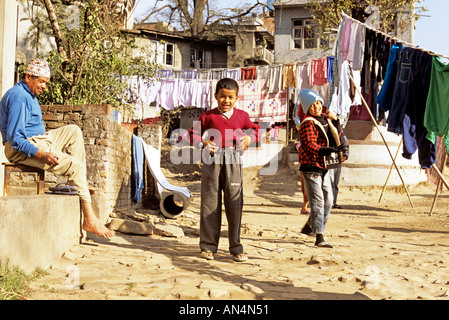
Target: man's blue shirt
x,y
20,118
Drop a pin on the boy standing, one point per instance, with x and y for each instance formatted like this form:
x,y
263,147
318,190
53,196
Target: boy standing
x,y
319,149
230,132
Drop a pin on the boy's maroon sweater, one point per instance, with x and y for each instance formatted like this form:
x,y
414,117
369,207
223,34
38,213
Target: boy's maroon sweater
x,y
225,133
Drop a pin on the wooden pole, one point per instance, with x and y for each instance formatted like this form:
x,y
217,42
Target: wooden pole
x,y
438,187
383,138
391,169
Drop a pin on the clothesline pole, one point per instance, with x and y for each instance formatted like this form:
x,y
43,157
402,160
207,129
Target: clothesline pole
x,y
391,169
440,175
383,138
438,187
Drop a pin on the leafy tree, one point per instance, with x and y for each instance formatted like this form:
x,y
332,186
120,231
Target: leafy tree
x,y
201,18
94,56
328,13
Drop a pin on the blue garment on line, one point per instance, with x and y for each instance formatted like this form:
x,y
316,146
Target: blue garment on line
x,y
137,181
385,96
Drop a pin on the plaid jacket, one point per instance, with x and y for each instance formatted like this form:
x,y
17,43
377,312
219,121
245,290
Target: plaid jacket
x,y
312,138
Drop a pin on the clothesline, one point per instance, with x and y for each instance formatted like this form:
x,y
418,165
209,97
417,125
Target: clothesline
x,y
394,38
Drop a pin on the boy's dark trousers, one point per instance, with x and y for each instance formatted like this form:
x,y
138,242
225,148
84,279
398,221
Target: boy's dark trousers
x,y
221,175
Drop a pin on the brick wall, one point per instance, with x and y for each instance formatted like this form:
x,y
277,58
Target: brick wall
x,y
108,154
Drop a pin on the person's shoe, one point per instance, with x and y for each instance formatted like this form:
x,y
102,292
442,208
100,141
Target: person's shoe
x,y
307,230
240,257
323,244
207,254
336,206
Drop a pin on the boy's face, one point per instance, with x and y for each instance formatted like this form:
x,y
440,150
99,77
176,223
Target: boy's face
x,y
316,109
226,99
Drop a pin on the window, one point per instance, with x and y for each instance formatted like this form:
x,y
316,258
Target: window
x,y
303,34
162,52
200,58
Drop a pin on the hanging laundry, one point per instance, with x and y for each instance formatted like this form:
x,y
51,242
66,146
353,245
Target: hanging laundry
x,y
204,74
352,42
249,73
289,75
436,116
137,169
345,37
385,97
186,89
262,72
302,76
274,79
341,101
234,73
190,74
318,72
413,124
218,74
165,73
359,49
401,91
168,98
202,94
178,74
330,65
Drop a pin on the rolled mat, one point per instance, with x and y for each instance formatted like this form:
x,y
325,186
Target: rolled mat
x,y
173,200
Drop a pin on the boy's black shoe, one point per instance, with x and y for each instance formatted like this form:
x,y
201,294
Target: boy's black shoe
x,y
307,230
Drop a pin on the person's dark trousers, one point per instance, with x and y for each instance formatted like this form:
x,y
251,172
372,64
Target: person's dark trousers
x,y
221,177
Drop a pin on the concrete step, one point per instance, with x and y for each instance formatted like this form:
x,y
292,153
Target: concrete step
x,y
36,230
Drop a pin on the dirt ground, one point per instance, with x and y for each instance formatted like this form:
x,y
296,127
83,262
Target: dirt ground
x,y
388,250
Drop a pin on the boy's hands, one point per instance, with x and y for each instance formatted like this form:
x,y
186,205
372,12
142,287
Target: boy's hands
x,y
210,146
245,142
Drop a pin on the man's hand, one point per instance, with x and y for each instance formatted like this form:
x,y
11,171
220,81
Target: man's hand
x,y
47,157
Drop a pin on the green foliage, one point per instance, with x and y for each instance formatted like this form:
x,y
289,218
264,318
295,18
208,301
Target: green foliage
x,y
14,282
99,58
328,13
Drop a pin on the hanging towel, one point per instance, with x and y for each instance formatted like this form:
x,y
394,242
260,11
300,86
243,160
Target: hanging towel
x,y
186,89
318,72
168,98
274,80
249,73
137,169
289,75
234,73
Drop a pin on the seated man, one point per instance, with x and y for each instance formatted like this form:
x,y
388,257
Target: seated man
x,y
60,151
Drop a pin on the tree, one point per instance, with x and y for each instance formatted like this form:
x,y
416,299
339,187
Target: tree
x,y
328,13
39,28
200,17
94,56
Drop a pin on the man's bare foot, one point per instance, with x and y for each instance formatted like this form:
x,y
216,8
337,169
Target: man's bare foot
x,y
91,222
97,228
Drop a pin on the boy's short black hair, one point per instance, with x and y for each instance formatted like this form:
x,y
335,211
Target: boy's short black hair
x,y
227,83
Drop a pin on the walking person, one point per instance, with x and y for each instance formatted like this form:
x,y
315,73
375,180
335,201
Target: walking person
x,y
318,149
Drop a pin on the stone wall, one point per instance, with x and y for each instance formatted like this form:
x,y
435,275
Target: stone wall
x,y
108,154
